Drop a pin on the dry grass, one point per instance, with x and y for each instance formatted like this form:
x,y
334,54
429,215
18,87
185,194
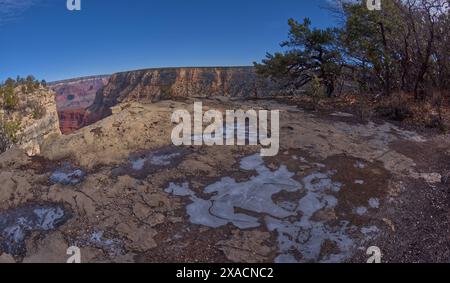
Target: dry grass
x,y
432,112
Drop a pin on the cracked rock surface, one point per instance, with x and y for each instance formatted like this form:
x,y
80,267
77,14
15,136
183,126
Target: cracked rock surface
x,y
121,192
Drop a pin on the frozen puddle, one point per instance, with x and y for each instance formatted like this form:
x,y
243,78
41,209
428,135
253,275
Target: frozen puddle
x,y
301,237
144,164
254,195
67,175
308,236
97,239
17,224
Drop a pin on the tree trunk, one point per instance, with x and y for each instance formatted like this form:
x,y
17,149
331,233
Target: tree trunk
x,y
387,71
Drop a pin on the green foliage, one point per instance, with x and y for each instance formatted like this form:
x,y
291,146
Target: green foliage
x,y
26,86
311,53
29,81
11,129
4,142
39,111
403,47
10,99
316,91
365,39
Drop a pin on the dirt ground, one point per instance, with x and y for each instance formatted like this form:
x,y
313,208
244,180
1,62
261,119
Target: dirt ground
x,y
121,192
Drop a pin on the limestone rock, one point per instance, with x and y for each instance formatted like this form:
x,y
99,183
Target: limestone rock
x,y
36,117
247,247
141,238
52,249
155,84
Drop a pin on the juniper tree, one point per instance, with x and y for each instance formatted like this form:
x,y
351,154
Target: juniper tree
x,y
311,52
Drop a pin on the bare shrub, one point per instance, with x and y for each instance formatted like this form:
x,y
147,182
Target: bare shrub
x,y
39,111
363,110
396,107
316,91
4,141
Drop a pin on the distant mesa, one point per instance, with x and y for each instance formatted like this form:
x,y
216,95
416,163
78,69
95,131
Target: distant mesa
x,y
84,101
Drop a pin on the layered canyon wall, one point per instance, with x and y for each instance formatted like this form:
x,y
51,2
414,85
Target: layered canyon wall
x,y
84,102
73,97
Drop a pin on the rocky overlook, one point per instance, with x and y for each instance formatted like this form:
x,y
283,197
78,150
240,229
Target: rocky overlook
x,y
32,120
152,85
120,191
84,101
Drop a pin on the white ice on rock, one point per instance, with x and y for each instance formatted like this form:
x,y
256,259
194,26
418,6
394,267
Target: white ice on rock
x,y
293,220
361,210
163,160
254,195
138,164
374,203
156,159
307,235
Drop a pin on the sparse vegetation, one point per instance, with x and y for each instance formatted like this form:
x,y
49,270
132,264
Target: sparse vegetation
x,y
312,54
4,141
9,90
39,111
316,91
13,100
392,55
395,107
9,97
10,129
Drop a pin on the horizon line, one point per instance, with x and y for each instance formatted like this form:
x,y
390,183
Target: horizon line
x,y
147,69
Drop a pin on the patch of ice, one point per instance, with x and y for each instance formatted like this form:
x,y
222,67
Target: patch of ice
x,y
370,232
254,195
252,162
374,203
67,175
112,246
289,206
308,239
154,159
163,160
292,220
359,165
138,164
361,210
181,191
48,217
342,114
15,225
142,164
306,235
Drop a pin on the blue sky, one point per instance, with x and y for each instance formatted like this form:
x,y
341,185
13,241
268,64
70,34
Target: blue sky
x,y
43,38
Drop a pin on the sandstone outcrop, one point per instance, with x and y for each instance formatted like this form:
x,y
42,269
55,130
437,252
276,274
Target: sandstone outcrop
x,y
139,198
84,101
153,85
33,119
